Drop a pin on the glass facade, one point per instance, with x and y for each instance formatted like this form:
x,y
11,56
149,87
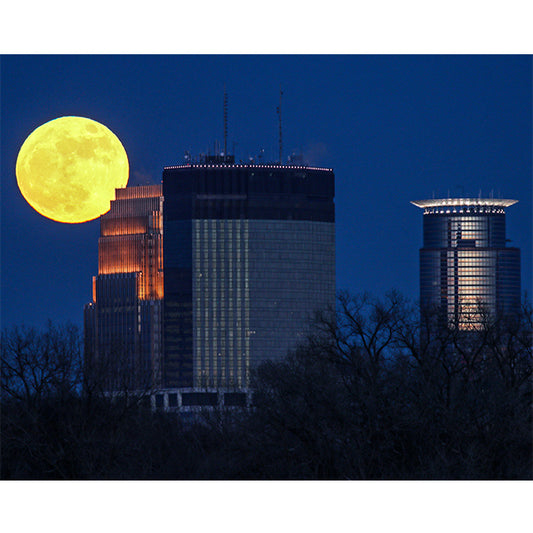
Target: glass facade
x,y
256,284
292,275
466,270
123,323
249,256
221,302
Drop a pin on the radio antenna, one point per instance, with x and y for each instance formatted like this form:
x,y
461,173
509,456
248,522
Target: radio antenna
x,y
225,122
280,137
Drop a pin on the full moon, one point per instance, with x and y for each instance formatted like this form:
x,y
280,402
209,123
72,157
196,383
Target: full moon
x,y
68,169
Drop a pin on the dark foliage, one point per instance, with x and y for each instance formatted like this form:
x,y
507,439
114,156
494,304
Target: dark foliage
x,y
370,395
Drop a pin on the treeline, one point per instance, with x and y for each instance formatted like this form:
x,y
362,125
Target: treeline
x,y
375,392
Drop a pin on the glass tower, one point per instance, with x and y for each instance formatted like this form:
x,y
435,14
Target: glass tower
x,y
466,269
249,257
123,322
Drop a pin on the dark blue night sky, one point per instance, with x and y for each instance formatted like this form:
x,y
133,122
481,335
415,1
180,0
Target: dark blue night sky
x,y
393,128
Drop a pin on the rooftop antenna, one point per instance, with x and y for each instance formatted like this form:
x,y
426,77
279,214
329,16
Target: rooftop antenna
x,y
225,121
279,115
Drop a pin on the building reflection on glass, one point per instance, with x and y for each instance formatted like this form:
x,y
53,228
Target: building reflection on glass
x,y
466,269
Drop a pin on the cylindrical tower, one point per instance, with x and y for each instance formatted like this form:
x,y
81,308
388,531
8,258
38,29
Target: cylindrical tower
x,y
466,270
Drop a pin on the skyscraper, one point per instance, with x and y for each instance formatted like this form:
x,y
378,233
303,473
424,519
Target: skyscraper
x,y
249,256
123,322
465,266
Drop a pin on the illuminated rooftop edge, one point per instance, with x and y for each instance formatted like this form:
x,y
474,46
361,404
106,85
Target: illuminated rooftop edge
x,y
453,202
237,165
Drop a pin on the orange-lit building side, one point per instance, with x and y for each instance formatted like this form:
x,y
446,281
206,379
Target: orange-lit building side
x,y
131,239
118,226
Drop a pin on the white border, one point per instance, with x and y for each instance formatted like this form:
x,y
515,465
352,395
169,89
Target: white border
x,y
233,26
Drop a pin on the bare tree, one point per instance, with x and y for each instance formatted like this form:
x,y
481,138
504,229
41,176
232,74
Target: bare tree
x,y
59,422
380,390
405,395
39,365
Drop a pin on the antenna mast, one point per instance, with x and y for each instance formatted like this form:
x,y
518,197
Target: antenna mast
x,y
225,122
280,138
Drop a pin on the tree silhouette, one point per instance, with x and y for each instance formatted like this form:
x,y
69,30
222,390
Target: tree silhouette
x,y
379,390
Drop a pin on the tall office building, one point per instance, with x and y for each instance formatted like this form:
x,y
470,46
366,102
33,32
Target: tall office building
x,y
123,322
465,265
249,256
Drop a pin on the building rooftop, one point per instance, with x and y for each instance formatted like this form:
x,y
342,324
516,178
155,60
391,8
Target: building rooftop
x,y
464,202
139,191
245,165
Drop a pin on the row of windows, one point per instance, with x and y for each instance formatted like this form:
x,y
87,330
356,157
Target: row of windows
x,y
275,244
454,220
465,290
464,240
477,257
468,263
459,269
258,226
481,231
